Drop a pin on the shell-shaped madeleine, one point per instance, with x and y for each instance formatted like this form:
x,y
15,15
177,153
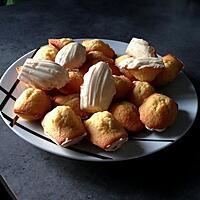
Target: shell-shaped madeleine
x,y
73,55
43,74
98,88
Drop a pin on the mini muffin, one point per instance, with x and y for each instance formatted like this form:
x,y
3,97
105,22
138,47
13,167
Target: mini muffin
x,y
141,90
158,112
73,101
123,86
59,43
105,131
32,104
172,68
63,126
46,53
74,83
128,116
94,57
71,56
98,45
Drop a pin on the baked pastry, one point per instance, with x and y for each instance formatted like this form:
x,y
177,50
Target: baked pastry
x,y
124,71
121,58
139,48
73,101
32,104
71,56
142,69
46,53
43,74
172,68
98,45
158,112
63,126
141,90
98,88
94,57
123,86
59,43
74,83
105,131
127,115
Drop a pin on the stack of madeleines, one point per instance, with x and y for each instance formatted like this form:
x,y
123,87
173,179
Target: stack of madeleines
x,y
85,90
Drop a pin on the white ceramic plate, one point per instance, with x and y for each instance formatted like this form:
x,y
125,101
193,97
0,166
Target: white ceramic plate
x,y
139,145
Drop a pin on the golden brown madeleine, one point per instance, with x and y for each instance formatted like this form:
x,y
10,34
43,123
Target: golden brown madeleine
x,y
74,83
63,126
105,131
59,43
73,101
128,74
98,45
94,57
141,90
172,68
32,104
158,112
144,74
46,53
127,115
123,86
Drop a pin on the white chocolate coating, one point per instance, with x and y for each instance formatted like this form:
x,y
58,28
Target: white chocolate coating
x,y
43,74
72,55
98,88
139,63
140,48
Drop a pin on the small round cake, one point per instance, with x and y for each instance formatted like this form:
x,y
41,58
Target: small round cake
x,y
73,101
123,86
172,68
32,104
128,116
46,52
158,112
141,90
63,126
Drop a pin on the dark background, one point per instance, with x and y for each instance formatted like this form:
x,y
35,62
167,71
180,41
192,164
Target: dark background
x,y
172,27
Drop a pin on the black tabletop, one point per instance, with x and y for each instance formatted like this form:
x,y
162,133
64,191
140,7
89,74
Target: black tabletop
x,y
172,27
